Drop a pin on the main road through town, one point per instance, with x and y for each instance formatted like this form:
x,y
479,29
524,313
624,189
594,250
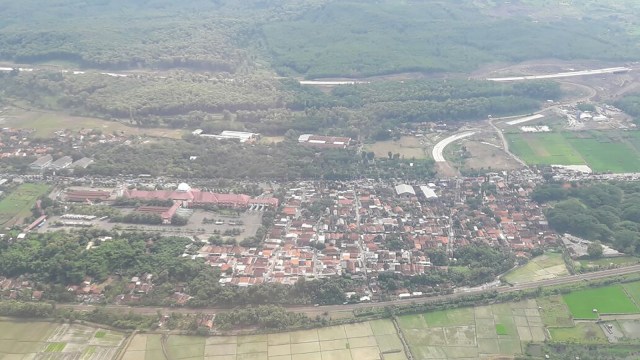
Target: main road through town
x,y
349,307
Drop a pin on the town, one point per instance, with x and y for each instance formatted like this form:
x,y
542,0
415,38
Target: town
x,y
310,230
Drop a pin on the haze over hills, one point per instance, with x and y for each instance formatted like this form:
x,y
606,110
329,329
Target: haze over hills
x,y
314,38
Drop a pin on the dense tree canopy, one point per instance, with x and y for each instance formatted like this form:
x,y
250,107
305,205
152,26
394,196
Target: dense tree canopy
x,y
608,212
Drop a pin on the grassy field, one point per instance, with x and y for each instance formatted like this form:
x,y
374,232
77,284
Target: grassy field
x,y
555,312
603,151
46,123
607,300
48,340
583,333
407,146
544,149
633,290
18,204
606,262
354,341
547,266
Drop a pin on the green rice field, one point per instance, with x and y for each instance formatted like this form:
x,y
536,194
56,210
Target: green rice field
x,y
602,151
19,203
471,333
606,300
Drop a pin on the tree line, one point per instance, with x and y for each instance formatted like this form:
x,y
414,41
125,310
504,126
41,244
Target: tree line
x,y
273,106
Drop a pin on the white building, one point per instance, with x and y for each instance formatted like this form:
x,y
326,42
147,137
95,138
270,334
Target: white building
x,y
405,190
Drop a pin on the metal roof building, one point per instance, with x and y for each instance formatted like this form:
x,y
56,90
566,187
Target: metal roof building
x,y
62,163
404,189
428,192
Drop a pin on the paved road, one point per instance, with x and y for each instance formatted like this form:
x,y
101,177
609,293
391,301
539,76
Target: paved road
x,y
337,308
505,144
563,75
438,149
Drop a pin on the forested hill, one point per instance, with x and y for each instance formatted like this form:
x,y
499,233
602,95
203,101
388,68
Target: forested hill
x,y
211,35
314,38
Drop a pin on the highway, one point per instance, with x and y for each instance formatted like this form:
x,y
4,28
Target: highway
x,y
350,307
438,149
563,74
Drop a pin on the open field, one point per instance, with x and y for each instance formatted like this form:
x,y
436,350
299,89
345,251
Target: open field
x,y
485,156
46,123
18,204
602,151
407,146
544,149
633,290
583,333
48,340
473,332
606,262
555,312
607,300
354,341
547,266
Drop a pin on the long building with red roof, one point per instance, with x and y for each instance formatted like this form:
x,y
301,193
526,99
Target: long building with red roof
x,y
195,197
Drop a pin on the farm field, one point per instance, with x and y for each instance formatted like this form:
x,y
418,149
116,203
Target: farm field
x,y
18,204
602,151
46,123
360,341
547,266
555,312
607,300
490,331
407,146
583,333
606,262
48,340
471,333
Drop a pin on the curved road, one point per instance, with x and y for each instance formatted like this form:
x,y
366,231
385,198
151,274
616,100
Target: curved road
x,y
438,149
349,307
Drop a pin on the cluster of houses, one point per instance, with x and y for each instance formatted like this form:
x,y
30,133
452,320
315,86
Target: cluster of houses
x,y
363,228
19,288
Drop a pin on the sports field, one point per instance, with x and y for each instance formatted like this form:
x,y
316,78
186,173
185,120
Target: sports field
x,y
547,266
362,341
472,333
19,203
48,340
603,151
606,300
407,146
